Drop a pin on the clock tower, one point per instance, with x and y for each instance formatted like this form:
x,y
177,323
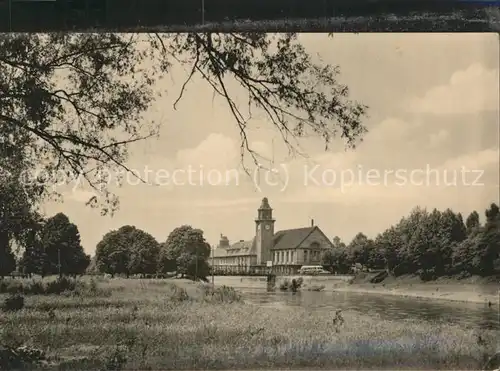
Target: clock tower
x,y
264,232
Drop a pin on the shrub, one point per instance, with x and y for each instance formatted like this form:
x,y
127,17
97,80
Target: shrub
x,y
116,360
284,285
427,274
20,357
12,303
36,288
179,294
10,286
292,285
316,288
90,290
30,355
223,294
60,285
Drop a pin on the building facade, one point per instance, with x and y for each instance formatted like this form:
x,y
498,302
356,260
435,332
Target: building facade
x,y
288,249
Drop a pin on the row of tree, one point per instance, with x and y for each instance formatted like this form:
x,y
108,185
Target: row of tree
x,y
52,246
131,251
430,244
49,246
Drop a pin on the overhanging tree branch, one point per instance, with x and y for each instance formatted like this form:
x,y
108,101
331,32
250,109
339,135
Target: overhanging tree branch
x,y
77,99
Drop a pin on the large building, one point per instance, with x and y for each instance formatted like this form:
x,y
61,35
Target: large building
x,y
288,250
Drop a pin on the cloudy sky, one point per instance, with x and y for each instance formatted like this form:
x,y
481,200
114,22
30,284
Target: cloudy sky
x,y
434,106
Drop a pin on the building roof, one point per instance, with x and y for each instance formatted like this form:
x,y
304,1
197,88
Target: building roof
x,y
242,248
219,252
291,238
282,240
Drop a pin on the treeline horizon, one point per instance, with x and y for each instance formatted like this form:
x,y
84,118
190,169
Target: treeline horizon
x,y
81,14
52,246
430,244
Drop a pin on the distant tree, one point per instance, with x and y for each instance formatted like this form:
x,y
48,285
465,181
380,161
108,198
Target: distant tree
x,y
463,257
336,259
112,254
7,258
388,244
492,213
487,252
61,242
479,252
472,222
17,216
144,250
34,258
360,249
188,248
428,245
166,260
376,257
128,250
431,244
408,256
451,232
337,243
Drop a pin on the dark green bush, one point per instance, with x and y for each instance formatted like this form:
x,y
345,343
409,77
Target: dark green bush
x,y
61,286
223,294
20,358
12,303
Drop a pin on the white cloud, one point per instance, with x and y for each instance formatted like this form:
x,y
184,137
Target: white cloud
x,y
216,157
468,91
427,185
349,194
262,149
475,161
391,133
217,151
438,138
389,129
220,203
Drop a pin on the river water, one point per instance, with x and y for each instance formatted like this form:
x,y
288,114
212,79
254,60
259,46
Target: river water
x,y
468,315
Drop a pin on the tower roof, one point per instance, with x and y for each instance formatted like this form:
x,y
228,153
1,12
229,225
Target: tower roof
x,y
264,204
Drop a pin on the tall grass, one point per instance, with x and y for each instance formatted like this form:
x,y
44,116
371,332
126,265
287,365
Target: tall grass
x,y
160,325
59,286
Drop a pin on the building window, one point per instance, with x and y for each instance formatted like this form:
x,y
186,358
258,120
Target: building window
x,y
287,257
291,256
275,255
305,256
282,256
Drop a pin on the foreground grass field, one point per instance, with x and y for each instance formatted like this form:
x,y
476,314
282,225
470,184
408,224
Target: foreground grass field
x,y
168,324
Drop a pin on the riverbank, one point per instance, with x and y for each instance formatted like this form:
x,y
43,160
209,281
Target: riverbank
x,y
176,324
470,290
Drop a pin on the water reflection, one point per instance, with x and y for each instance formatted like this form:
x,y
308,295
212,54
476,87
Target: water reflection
x,y
471,315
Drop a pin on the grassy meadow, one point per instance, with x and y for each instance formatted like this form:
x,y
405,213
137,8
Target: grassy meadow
x,y
116,324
